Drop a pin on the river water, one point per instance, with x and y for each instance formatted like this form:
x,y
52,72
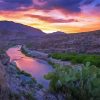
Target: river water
x,y
36,67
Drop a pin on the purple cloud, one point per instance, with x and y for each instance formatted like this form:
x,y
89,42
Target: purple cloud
x,y
66,5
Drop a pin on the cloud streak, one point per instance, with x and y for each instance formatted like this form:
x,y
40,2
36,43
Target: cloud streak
x,y
50,19
53,15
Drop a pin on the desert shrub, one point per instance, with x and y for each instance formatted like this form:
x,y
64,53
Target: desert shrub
x,y
81,83
56,55
78,58
63,56
95,60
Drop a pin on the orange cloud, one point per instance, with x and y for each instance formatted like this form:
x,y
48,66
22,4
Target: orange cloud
x,y
54,20
51,19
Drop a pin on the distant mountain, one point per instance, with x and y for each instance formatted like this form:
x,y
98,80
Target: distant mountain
x,y
85,42
16,29
15,33
58,33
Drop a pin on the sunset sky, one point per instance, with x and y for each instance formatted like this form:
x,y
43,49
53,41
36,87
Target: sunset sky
x,y
68,16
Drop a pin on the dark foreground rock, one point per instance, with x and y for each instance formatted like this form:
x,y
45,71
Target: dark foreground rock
x,y
4,90
18,85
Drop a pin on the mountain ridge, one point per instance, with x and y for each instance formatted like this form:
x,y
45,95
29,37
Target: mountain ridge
x,y
85,42
17,27
11,24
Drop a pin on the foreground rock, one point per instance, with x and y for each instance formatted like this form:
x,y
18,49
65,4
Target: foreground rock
x,y
21,85
4,90
18,85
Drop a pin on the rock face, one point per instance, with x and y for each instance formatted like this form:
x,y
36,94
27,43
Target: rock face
x,y
12,33
4,58
18,85
87,42
16,29
15,85
3,84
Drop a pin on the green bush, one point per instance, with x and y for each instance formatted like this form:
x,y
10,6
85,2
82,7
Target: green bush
x,y
78,58
95,60
81,83
63,56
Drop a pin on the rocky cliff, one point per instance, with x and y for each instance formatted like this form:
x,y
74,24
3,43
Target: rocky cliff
x,y
4,91
18,85
87,42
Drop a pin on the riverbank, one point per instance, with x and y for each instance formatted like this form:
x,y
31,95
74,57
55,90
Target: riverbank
x,y
46,57
33,53
22,86
40,55
73,81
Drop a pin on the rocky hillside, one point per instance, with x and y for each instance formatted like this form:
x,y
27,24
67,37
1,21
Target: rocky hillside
x,y
11,30
13,33
87,42
15,84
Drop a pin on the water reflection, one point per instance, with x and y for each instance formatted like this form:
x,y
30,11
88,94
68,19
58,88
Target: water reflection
x,y
36,67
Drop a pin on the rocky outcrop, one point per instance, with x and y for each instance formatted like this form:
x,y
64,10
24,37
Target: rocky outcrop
x,y
18,85
4,58
4,90
15,84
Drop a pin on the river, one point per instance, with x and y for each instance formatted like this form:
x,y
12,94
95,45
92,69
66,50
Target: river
x,y
36,67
